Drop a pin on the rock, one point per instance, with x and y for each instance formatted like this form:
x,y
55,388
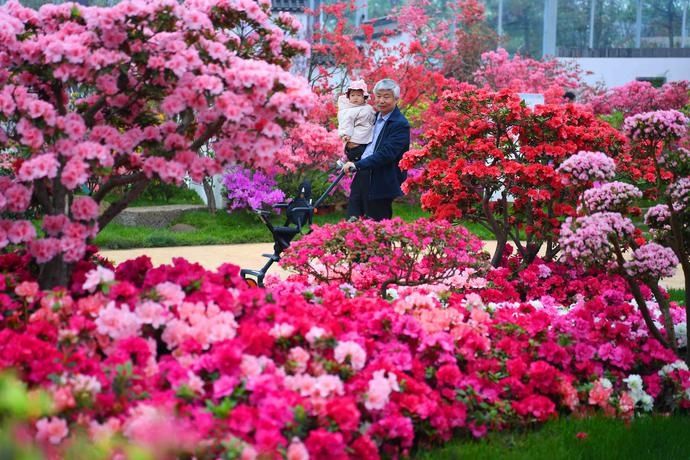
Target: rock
x,y
154,216
181,228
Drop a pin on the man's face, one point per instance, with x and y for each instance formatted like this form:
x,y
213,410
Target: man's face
x,y
385,101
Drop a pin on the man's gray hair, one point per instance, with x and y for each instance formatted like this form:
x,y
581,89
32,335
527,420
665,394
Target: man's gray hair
x,y
388,84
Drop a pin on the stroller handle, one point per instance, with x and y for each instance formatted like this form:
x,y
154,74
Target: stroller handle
x,y
329,189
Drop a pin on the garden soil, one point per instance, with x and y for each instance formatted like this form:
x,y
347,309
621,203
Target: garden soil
x,y
249,256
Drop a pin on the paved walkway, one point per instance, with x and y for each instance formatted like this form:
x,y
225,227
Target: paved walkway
x,y
249,256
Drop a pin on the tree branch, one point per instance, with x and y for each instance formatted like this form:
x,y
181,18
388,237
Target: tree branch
x,y
93,110
117,181
116,208
211,131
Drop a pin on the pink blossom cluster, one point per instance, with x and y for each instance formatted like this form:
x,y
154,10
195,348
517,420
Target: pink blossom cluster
x,y
589,239
311,370
498,70
676,159
679,191
587,167
611,196
661,124
652,261
167,89
308,145
640,96
658,217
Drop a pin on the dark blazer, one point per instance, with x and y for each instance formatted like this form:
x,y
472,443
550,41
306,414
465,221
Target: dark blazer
x,y
392,143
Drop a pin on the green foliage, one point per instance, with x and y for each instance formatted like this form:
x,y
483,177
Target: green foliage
x,y
644,438
616,119
289,184
159,193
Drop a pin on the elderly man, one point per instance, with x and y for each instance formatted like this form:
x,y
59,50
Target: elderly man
x,y
377,179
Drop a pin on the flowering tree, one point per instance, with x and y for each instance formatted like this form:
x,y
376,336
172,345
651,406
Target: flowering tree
x,y
490,159
124,95
442,45
367,254
603,234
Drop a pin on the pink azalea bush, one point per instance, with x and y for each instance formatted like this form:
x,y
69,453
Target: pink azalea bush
x,y
498,70
124,95
224,370
640,96
375,255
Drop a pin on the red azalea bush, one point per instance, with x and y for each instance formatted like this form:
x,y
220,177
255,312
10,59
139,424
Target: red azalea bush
x,y
186,361
114,98
488,158
375,255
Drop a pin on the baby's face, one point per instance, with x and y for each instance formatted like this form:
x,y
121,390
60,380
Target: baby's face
x,y
356,97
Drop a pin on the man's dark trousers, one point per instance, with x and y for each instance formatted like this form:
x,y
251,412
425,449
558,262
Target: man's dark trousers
x,y
359,206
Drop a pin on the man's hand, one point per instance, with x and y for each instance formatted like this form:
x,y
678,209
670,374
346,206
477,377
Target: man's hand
x,y
346,138
349,167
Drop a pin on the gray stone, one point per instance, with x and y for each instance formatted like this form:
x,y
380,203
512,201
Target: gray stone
x,y
154,216
181,228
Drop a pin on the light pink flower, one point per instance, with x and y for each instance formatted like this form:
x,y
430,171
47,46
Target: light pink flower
x,y
352,351
97,276
52,430
297,450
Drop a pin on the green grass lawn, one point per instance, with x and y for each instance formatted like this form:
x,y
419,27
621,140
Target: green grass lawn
x,y
224,228
658,437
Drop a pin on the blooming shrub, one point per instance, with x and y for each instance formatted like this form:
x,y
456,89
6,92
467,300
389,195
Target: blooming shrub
x,y
640,96
129,94
185,361
488,158
550,77
602,236
375,255
250,190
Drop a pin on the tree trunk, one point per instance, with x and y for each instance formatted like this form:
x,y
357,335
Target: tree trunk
x,y
210,197
500,249
54,273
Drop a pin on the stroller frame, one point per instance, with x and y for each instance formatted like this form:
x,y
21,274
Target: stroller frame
x,y
299,212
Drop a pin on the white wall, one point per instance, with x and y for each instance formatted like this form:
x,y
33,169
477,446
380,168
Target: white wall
x,y
619,71
217,191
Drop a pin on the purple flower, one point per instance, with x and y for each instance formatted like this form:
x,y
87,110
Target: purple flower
x,y
588,238
250,189
651,262
612,196
661,124
585,167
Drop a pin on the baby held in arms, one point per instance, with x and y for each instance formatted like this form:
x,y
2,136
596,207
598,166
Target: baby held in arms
x,y
355,119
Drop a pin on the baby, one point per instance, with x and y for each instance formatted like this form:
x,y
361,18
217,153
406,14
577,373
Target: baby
x,y
355,120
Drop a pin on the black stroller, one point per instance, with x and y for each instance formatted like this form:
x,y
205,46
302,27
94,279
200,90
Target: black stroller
x,y
299,213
